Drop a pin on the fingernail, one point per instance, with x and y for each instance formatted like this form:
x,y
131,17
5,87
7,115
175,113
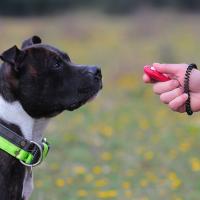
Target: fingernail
x,y
154,64
185,96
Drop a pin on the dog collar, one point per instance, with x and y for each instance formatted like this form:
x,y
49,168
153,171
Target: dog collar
x,y
29,153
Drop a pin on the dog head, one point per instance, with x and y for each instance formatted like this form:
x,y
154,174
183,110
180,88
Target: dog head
x,y
45,81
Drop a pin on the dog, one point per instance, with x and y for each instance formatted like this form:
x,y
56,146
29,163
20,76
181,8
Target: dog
x,y
37,82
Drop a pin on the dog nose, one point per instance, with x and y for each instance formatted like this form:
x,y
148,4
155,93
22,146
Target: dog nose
x,y
96,71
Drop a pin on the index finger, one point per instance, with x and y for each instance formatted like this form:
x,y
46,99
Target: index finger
x,y
169,68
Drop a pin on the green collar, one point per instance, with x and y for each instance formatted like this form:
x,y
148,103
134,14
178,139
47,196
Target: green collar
x,y
29,153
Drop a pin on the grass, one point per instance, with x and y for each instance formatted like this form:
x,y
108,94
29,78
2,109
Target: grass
x,y
125,145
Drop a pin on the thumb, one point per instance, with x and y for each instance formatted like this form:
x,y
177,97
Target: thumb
x,y
167,68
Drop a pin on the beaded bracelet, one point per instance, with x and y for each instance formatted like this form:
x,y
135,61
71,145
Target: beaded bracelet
x,y
187,88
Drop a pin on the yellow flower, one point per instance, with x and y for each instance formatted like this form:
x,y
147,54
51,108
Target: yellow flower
x,y
148,155
144,183
38,183
54,166
101,183
107,194
106,130
60,182
144,124
151,176
175,183
177,198
172,176
97,170
174,180
79,170
106,156
82,193
195,164
126,185
184,146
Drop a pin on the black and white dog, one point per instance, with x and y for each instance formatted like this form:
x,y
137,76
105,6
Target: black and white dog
x,y
37,82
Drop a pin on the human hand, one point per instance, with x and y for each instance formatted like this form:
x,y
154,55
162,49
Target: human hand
x,y
171,92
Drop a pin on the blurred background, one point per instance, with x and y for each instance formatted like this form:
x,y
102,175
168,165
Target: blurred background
x,y
125,145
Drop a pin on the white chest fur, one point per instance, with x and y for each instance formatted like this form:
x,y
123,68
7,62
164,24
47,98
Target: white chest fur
x,y
14,113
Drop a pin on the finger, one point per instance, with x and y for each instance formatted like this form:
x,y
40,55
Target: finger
x,y
168,68
162,87
181,109
146,78
178,102
171,95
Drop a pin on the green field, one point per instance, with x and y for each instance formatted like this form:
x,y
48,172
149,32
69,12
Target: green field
x,y
125,145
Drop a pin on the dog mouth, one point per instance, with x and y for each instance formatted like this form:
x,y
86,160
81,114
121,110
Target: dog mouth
x,y
78,104
85,94
92,98
88,97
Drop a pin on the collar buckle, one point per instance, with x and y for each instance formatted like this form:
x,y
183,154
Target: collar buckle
x,y
38,152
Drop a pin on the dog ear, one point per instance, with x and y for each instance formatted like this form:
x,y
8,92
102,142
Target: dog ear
x,y
31,41
12,56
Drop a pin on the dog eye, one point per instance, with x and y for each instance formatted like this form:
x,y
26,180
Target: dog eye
x,y
58,64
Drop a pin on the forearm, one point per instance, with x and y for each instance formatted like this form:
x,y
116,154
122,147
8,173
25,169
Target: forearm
x,y
195,81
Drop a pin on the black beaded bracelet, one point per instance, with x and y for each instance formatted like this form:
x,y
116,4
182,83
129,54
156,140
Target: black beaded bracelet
x,y
187,87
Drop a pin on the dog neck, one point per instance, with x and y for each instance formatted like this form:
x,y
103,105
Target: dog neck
x,y
14,117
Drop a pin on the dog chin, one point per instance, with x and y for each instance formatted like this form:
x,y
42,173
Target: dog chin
x,y
77,105
92,98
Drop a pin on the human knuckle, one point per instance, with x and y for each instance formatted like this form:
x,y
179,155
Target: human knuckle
x,y
173,83
163,98
155,89
172,106
178,91
182,99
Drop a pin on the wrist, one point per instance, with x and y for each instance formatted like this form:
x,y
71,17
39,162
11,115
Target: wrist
x,y
195,81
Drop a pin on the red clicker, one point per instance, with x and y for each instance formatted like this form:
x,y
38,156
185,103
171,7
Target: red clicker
x,y
155,75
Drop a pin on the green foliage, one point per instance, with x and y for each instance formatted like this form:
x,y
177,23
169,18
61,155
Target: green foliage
x,y
41,7
32,7
119,6
179,4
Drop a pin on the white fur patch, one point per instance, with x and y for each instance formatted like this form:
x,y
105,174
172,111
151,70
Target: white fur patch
x,y
27,184
38,128
15,114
